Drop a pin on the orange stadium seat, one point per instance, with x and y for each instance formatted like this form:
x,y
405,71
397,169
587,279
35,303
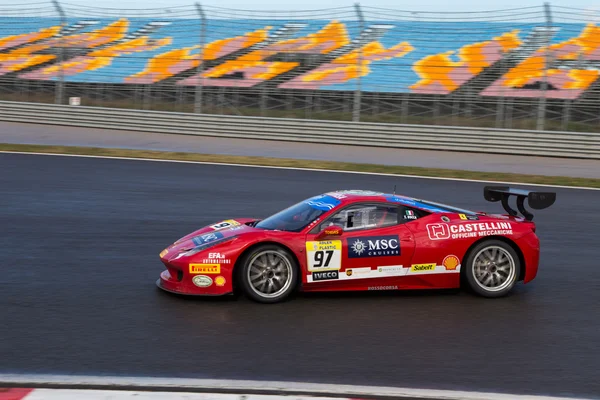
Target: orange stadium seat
x,y
524,80
441,75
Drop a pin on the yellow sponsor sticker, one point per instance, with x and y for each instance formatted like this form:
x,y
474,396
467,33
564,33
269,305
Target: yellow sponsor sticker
x,y
228,223
324,255
163,253
462,216
220,281
451,262
422,267
324,245
205,268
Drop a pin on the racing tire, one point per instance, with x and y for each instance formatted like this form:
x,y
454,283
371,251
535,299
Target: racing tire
x,y
268,274
492,268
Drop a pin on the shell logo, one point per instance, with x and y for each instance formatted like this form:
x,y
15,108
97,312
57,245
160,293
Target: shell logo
x,y
220,281
451,262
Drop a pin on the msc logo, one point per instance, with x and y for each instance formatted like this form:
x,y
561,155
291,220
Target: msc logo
x,y
325,276
438,231
374,246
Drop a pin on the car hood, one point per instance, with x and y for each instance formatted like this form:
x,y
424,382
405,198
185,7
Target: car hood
x,y
208,236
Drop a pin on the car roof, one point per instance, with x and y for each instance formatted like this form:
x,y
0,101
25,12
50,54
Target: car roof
x,y
348,196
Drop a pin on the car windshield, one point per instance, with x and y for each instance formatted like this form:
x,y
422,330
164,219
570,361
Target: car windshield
x,y
298,216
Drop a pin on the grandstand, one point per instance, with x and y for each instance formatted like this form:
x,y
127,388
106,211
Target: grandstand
x,y
453,66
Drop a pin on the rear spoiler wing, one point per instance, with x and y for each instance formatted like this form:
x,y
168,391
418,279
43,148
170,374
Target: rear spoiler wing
x,y
536,200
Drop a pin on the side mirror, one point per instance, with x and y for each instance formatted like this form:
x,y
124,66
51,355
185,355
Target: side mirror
x,y
332,230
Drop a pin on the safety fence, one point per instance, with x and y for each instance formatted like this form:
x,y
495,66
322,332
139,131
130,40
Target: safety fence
x,y
533,67
499,141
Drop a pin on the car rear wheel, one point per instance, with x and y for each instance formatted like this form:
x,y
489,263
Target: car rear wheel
x,y
492,268
269,274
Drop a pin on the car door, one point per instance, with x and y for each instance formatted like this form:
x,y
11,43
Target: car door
x,y
363,244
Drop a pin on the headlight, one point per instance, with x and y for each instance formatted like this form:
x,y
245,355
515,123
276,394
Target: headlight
x,y
205,246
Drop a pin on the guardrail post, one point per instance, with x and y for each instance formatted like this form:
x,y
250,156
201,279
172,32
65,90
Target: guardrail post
x,y
60,83
357,92
542,102
200,69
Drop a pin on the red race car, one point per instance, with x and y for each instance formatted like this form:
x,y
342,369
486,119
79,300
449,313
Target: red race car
x,y
361,240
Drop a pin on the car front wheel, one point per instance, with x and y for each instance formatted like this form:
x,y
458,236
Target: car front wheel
x,y
492,268
268,274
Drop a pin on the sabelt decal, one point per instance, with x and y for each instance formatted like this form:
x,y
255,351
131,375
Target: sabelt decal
x,y
228,223
325,275
431,269
202,281
468,230
451,262
422,267
205,269
163,253
373,246
324,255
220,281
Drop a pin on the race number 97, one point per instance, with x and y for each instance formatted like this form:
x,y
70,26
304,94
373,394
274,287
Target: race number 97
x,y
322,258
324,255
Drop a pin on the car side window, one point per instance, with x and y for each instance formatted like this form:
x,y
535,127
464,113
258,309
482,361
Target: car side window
x,y
408,214
364,216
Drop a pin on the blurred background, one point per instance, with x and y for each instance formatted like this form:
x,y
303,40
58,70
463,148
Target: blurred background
x,y
529,68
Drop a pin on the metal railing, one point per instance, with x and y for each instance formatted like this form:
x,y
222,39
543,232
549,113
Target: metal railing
x,y
499,141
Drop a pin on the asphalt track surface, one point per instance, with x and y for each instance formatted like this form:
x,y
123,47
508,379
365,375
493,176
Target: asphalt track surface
x,y
80,240
21,133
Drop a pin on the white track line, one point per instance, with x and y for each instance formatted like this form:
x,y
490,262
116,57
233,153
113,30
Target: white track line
x,y
297,169
264,387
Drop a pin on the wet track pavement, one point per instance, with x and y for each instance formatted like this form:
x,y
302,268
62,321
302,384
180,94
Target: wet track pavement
x,y
80,240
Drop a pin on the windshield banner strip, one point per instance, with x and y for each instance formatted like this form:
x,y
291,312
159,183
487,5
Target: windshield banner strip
x,y
410,202
323,202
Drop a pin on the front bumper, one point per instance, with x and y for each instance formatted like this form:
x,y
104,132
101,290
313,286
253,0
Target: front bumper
x,y
219,286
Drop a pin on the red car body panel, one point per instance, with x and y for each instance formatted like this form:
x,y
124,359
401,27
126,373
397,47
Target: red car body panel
x,y
424,253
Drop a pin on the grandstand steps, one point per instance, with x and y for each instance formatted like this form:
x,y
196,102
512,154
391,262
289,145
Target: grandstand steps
x,y
284,33
71,30
591,95
71,52
532,43
207,65
310,61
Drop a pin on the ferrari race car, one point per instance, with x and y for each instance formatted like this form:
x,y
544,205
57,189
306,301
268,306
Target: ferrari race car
x,y
353,240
